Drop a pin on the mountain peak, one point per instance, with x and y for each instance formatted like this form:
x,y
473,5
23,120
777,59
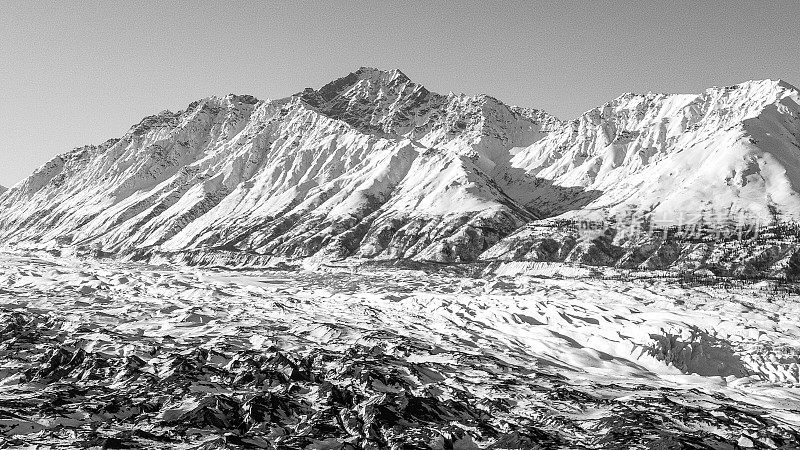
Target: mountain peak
x,y
752,88
370,72
367,78
389,103
372,100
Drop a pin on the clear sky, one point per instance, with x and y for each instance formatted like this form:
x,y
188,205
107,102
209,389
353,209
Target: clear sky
x,y
80,72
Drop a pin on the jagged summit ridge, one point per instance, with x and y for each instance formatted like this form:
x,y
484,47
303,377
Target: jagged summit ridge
x,y
374,100
374,165
389,102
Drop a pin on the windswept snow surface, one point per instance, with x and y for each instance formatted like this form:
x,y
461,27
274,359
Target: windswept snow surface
x,y
111,354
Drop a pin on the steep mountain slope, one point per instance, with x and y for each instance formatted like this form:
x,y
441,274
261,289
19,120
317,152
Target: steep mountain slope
x,y
726,160
728,152
374,165
370,165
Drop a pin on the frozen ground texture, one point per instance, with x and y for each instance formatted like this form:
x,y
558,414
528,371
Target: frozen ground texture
x,y
373,165
116,355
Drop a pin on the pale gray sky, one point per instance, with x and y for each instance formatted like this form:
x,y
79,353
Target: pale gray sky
x,y
80,72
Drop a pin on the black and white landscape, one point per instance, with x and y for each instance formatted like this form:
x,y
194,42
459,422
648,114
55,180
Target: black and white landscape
x,y
373,265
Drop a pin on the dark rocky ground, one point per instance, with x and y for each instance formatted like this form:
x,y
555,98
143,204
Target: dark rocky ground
x,y
56,394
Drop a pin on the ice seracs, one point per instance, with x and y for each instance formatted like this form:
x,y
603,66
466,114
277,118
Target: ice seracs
x,y
373,165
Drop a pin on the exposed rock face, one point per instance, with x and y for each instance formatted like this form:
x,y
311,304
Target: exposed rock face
x,y
374,165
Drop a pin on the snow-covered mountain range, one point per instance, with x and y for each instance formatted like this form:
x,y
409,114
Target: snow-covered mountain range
x,y
373,165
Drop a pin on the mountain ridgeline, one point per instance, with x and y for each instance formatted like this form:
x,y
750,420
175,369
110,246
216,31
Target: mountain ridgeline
x,y
374,166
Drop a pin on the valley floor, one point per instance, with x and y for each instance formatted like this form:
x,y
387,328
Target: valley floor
x,y
106,354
